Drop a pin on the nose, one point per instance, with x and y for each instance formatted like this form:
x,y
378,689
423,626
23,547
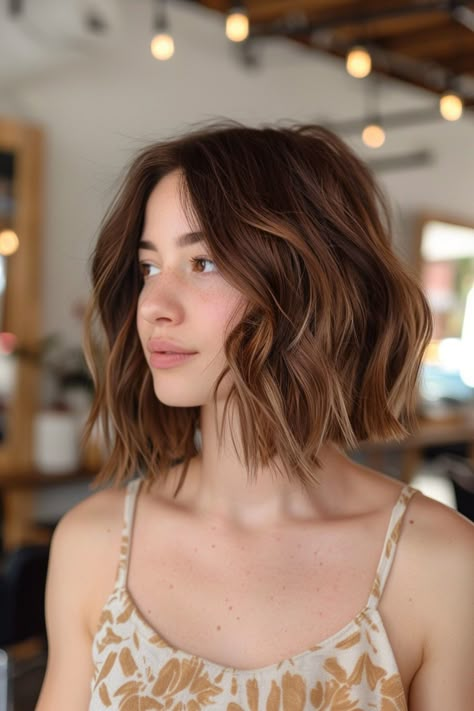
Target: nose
x,y
161,298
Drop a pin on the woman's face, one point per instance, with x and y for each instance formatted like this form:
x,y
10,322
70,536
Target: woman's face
x,y
184,299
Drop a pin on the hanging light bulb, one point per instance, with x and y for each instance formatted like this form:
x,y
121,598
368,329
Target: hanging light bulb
x,y
358,62
162,44
9,242
450,106
373,135
237,24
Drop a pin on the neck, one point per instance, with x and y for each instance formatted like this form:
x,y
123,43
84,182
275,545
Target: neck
x,y
218,486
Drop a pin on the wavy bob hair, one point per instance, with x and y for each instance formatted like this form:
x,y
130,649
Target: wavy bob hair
x,y
331,342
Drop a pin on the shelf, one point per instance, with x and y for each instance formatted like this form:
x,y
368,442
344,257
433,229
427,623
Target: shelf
x,y
34,479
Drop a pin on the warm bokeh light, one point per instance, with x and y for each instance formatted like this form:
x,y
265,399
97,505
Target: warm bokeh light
x,y
9,242
358,62
373,135
237,26
162,46
450,106
8,342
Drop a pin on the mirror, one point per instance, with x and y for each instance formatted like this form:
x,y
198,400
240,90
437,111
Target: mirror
x,y
20,200
446,267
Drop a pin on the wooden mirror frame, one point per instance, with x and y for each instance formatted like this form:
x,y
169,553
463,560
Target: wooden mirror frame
x,y
22,309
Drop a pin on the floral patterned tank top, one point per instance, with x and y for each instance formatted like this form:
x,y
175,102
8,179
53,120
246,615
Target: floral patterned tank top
x,y
135,669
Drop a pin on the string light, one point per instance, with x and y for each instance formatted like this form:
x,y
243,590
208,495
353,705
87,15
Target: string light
x,y
9,242
373,135
237,24
358,62
162,44
450,106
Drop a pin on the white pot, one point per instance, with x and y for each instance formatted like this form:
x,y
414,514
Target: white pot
x,y
55,442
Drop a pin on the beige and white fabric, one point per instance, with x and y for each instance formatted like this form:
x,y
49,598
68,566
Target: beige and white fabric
x,y
135,669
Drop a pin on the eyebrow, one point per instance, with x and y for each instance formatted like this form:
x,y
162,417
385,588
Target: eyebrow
x,y
184,240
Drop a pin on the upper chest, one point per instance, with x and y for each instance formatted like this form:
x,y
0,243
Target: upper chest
x,y
292,570
249,601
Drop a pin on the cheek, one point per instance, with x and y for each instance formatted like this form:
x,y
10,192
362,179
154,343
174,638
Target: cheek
x,y
139,323
224,312
211,312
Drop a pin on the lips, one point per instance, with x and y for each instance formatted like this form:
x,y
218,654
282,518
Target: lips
x,y
158,345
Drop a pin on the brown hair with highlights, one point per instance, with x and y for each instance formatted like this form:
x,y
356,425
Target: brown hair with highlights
x,y
331,342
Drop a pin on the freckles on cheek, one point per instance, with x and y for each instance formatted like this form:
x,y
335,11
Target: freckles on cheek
x,y
231,311
217,310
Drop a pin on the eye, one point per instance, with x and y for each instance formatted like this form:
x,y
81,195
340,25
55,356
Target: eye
x,y
200,260
145,268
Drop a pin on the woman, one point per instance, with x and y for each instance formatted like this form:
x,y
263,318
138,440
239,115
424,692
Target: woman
x,y
248,564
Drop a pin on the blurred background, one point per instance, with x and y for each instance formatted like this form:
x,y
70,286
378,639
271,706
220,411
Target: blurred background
x,y
84,84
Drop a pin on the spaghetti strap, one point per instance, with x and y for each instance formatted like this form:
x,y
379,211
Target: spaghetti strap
x,y
390,545
131,494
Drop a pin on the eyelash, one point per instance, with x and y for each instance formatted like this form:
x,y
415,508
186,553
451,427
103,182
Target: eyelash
x,y
194,260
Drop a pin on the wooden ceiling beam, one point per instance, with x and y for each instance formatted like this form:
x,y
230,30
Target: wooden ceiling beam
x,y
389,27
219,5
393,70
439,42
331,13
411,38
269,10
353,16
461,63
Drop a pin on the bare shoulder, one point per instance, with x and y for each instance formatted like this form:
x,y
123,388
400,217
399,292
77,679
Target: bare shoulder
x,y
439,545
432,525
443,533
436,545
89,534
94,519
78,574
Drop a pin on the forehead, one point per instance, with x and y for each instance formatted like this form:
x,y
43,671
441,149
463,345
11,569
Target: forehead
x,y
166,194
164,210
169,185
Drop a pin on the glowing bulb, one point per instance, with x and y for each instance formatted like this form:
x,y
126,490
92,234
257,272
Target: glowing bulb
x,y
9,242
450,106
373,135
237,26
358,63
162,46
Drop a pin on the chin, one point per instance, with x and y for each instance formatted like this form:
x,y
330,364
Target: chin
x,y
176,401
183,396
